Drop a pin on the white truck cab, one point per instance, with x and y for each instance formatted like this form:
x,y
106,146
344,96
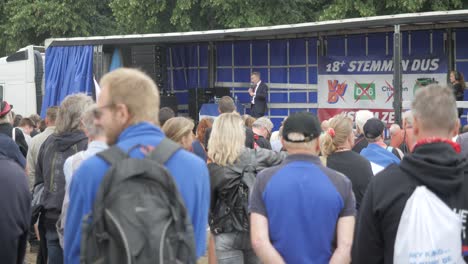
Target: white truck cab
x,y
21,79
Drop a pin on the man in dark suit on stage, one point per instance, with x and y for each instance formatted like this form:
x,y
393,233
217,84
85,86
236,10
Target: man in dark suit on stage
x,y
259,94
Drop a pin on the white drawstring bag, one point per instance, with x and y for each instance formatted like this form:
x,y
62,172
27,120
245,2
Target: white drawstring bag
x,y
428,232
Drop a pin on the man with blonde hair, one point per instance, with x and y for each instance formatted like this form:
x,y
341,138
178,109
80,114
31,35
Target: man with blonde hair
x,y
299,206
127,110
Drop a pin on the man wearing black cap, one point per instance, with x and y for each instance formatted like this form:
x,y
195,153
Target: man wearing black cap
x,y
6,127
298,207
377,152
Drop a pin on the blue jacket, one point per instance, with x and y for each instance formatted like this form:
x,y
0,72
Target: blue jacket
x,y
10,149
190,174
378,155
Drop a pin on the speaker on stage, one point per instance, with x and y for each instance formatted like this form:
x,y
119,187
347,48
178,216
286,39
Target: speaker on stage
x,y
169,101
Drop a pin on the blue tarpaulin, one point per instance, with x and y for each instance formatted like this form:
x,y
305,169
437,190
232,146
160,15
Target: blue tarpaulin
x,y
116,61
68,70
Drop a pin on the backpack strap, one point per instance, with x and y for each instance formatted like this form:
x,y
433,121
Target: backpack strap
x,y
112,155
164,151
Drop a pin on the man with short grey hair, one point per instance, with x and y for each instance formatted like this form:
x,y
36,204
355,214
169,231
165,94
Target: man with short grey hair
x,y
96,143
361,118
300,207
436,163
67,140
262,128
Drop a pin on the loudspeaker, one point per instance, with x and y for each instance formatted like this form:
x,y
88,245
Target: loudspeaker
x,y
151,59
169,101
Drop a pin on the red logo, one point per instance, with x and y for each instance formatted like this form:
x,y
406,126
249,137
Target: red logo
x,y
336,91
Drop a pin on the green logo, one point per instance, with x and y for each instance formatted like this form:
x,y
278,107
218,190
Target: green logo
x,y
364,91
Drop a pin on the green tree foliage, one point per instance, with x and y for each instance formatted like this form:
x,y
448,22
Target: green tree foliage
x,y
25,22
185,15
340,9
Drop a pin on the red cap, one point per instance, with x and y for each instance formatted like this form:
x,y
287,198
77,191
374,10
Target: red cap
x,y
5,108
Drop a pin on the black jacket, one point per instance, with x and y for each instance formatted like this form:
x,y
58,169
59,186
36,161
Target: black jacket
x,y
7,129
15,208
438,167
360,143
224,178
259,108
458,91
49,170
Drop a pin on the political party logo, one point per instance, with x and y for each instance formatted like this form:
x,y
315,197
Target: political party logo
x,y
364,91
390,91
336,90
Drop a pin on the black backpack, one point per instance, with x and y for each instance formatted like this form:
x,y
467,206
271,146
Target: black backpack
x,y
138,215
230,212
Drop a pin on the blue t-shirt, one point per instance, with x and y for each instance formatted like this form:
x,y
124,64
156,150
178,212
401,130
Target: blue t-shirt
x,y
302,201
379,155
190,174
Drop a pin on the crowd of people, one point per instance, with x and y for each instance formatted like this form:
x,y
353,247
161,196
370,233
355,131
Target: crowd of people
x,y
310,192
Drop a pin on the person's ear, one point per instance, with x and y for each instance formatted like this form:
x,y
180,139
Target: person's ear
x,y
122,114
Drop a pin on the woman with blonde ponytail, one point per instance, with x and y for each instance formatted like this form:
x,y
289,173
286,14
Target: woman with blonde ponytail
x,y
336,144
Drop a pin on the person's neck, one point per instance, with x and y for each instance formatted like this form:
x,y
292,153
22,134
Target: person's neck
x,y
344,147
301,152
380,143
422,136
98,139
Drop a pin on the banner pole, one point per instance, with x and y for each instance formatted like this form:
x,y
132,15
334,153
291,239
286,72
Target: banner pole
x,y
397,75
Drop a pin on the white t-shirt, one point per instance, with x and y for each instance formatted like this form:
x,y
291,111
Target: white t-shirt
x,y
255,92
